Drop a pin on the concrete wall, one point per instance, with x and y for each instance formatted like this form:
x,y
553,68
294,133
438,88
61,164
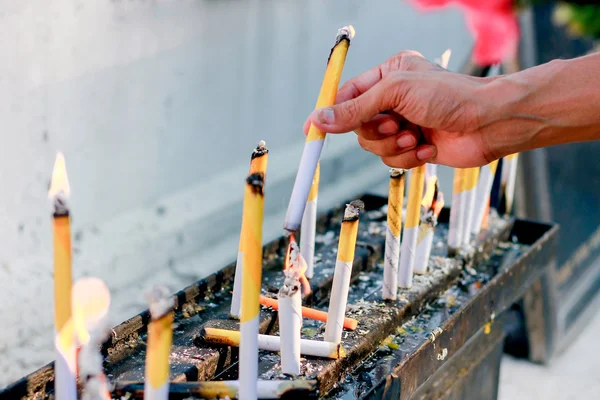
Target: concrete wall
x,y
157,105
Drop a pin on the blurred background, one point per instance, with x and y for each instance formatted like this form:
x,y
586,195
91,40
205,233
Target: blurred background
x,y
157,106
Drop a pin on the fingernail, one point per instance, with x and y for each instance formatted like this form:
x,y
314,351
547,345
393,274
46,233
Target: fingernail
x,y
406,140
388,127
426,153
325,115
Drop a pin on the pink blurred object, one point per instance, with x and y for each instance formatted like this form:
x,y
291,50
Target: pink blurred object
x,y
493,24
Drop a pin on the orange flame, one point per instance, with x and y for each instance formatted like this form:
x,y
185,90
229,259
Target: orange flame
x,y
302,266
90,303
433,200
288,254
430,193
60,180
438,204
445,59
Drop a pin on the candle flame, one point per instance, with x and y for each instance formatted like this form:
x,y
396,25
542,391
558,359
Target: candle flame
x,y
90,303
438,204
299,262
288,254
429,196
445,59
433,200
60,180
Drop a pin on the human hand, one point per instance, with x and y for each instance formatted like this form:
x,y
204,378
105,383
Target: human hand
x,y
410,111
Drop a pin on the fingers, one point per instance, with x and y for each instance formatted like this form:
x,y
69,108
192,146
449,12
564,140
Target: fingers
x,y
306,126
351,114
359,84
413,158
405,60
392,145
378,128
361,88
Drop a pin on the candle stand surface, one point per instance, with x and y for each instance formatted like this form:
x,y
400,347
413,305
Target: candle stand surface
x,y
443,338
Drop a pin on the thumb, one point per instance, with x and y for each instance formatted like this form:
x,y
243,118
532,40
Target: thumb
x,y
351,114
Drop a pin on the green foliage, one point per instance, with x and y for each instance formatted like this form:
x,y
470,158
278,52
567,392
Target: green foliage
x,y
579,19
586,19
578,16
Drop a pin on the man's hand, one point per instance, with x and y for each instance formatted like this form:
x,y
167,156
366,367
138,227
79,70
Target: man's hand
x,y
409,111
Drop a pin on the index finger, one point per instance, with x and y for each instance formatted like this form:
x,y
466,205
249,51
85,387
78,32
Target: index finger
x,y
353,88
359,84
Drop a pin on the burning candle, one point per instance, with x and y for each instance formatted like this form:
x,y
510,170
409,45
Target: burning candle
x,y
290,312
482,198
310,313
158,348
456,212
470,192
315,138
314,348
509,177
251,284
343,272
65,365
444,59
309,225
392,235
258,164
91,302
433,202
411,227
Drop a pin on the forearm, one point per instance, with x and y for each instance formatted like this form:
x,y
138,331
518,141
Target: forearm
x,y
551,104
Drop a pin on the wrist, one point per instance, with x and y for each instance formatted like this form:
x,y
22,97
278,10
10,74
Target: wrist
x,y
554,103
502,124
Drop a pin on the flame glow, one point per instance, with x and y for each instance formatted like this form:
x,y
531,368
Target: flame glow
x,y
438,204
300,264
429,196
445,59
288,254
90,302
433,200
60,180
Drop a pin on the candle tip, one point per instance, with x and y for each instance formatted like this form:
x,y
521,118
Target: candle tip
x,y
260,150
353,210
59,185
346,32
396,172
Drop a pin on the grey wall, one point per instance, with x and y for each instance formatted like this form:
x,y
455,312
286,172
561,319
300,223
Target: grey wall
x,y
156,105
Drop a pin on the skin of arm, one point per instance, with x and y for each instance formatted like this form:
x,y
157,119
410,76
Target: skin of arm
x,y
555,103
409,111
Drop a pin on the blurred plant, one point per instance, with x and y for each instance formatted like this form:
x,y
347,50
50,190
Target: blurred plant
x,y
581,20
495,28
493,24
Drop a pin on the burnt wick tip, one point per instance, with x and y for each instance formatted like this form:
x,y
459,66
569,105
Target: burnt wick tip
x,y
347,32
397,172
353,210
260,150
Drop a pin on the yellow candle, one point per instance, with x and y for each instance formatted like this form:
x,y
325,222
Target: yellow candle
x,y
251,284
315,138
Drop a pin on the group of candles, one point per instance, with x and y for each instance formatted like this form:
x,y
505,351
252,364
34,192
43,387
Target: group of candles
x,y
81,309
